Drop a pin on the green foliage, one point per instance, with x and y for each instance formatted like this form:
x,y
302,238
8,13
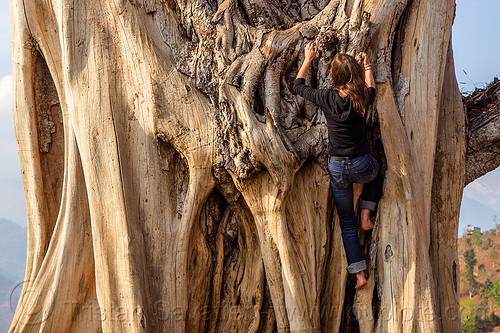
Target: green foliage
x,y
487,323
475,318
470,259
486,288
476,238
468,304
495,292
477,313
468,274
487,243
490,232
468,315
494,319
493,254
469,323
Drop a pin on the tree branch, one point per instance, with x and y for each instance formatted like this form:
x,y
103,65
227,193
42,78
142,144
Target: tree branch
x,y
483,132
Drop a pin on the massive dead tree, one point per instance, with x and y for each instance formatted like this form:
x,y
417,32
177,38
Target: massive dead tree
x,y
175,184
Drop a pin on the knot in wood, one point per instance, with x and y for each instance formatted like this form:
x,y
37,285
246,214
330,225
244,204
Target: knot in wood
x,y
326,40
388,253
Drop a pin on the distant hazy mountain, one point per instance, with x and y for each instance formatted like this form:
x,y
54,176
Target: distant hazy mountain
x,y
12,250
12,266
7,303
475,213
5,287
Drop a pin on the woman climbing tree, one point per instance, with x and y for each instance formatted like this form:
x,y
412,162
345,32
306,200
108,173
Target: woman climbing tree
x,y
350,160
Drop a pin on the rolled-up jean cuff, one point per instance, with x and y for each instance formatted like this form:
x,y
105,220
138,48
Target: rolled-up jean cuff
x,y
363,204
356,267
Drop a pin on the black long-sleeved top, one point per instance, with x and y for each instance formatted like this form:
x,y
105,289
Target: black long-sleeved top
x,y
346,127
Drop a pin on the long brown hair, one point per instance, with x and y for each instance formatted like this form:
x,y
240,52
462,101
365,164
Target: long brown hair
x,y
348,75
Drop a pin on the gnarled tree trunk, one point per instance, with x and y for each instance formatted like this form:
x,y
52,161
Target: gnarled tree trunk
x,y
175,184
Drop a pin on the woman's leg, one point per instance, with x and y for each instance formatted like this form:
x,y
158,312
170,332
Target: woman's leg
x,y
367,171
371,194
342,191
343,199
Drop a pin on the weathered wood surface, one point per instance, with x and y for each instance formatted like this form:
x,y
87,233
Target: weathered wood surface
x,y
175,184
483,128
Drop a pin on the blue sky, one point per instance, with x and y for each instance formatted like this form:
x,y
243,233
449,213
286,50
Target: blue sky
x,y
476,49
476,45
5,50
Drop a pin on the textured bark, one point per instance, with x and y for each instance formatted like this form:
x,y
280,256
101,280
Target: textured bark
x,y
175,184
483,132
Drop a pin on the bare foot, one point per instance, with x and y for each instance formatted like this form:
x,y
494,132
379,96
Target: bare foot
x,y
366,222
361,280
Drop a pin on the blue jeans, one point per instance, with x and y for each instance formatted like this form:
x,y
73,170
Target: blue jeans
x,y
361,169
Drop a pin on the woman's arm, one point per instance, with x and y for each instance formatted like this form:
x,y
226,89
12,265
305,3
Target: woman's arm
x,y
369,80
317,96
310,52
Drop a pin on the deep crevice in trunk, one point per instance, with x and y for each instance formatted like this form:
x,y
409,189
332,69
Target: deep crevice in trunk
x,y
51,144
